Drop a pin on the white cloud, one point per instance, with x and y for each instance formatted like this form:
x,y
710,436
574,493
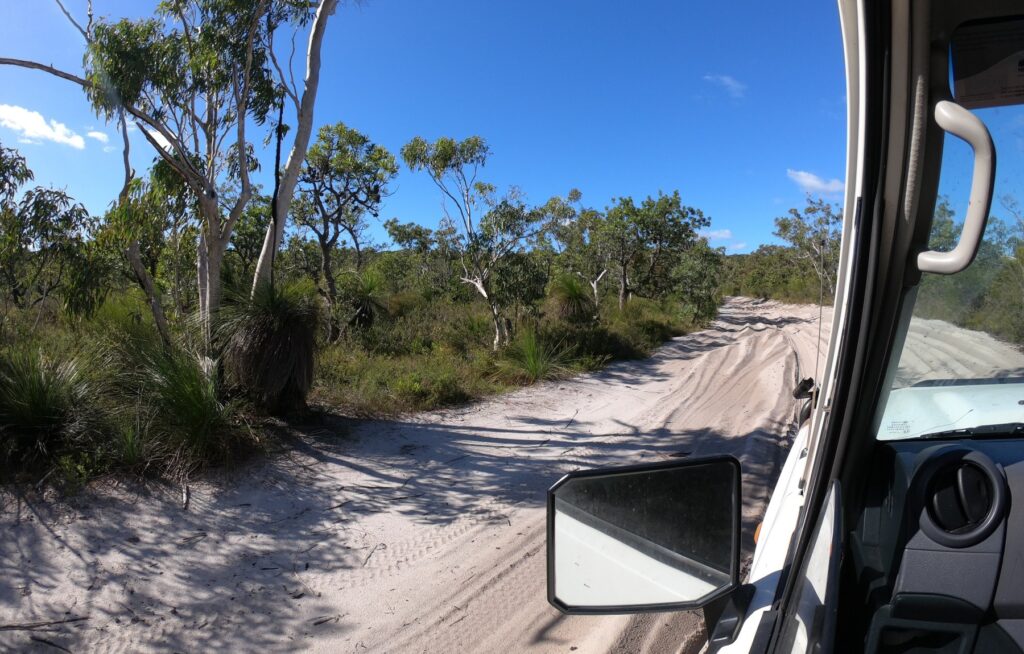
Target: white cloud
x,y
811,183
99,136
716,234
109,148
732,86
33,127
736,247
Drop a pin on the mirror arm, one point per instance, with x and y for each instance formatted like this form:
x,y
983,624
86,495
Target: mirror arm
x,y
724,617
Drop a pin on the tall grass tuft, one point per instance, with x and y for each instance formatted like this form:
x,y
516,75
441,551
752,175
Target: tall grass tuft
x,y
42,403
529,360
182,392
163,402
571,299
269,345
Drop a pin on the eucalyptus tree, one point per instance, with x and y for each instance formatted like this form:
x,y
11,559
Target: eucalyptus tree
x,y
345,178
644,243
480,229
136,225
698,276
621,241
195,78
43,232
411,236
814,234
429,250
668,229
578,233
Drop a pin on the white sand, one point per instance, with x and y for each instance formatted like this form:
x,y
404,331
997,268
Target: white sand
x,y
417,535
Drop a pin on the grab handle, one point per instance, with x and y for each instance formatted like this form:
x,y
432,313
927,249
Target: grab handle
x,y
962,123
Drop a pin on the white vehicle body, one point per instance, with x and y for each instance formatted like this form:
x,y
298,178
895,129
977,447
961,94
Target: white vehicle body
x,y
782,516
900,478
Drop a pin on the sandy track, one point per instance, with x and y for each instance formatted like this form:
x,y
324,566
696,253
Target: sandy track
x,y
417,535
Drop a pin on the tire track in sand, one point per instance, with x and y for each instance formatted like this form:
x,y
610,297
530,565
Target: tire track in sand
x,y
423,534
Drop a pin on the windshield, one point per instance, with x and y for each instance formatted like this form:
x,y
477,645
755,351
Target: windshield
x,y
961,365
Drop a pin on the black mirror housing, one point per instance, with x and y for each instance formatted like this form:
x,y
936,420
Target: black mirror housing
x,y
644,538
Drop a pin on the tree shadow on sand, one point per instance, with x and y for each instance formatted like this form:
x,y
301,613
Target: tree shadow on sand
x,y
243,566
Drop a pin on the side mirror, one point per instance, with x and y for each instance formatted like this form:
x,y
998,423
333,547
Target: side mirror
x,y
656,537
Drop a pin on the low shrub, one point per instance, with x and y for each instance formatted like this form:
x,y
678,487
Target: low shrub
x,y
43,404
366,384
530,359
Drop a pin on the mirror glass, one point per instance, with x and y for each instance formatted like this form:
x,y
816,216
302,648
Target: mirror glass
x,y
639,537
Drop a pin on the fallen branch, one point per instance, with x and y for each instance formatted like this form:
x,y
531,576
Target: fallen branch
x,y
572,419
36,626
382,546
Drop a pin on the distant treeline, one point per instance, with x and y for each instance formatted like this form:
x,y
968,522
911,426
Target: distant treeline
x,y
802,271
989,294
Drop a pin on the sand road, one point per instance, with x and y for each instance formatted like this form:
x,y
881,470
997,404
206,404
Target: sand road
x,y
417,535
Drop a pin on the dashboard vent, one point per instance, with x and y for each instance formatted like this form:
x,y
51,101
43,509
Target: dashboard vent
x,y
961,498
962,494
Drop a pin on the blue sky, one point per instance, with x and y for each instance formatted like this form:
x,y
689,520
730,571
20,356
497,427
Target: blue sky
x,y
740,106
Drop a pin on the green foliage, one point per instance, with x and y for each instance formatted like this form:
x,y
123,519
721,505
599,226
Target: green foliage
x,y
445,156
771,271
986,295
345,178
698,277
359,299
645,243
157,63
43,235
519,281
89,280
500,294
269,345
346,172
366,384
249,232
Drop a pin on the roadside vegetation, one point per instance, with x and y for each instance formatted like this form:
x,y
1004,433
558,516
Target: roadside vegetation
x,y
158,337
802,270
100,371
984,297
987,295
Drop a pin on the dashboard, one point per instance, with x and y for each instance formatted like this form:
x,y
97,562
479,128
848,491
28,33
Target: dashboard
x,y
936,559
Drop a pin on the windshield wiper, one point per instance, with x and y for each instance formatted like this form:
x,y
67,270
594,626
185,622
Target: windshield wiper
x,y
1004,430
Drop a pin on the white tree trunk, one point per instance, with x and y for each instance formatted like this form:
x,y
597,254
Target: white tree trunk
x,y
201,283
500,332
297,156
